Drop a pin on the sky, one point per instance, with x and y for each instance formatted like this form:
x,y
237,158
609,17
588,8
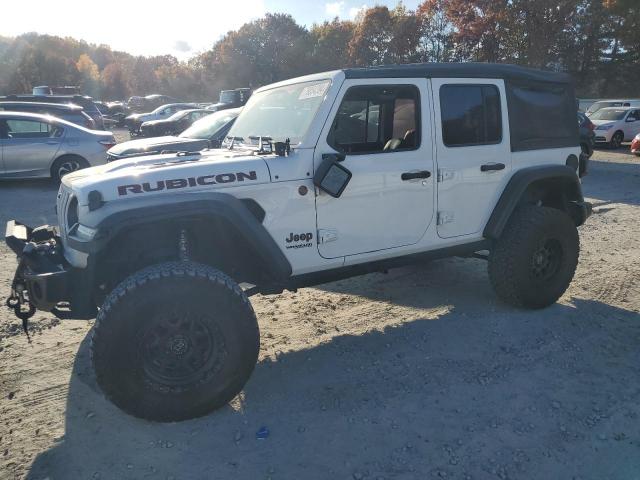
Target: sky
x,y
182,28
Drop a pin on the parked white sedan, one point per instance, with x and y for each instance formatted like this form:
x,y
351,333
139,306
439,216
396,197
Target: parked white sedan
x,y
33,145
616,125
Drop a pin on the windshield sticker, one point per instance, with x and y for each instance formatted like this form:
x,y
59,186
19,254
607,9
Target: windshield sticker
x,y
312,91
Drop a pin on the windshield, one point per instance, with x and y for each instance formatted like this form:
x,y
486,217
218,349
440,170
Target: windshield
x,y
207,126
608,114
178,115
598,105
281,112
228,96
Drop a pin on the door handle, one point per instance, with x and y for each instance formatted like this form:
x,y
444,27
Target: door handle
x,y
488,167
414,175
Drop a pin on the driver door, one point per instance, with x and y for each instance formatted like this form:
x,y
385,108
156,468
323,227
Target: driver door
x,y
381,129
632,124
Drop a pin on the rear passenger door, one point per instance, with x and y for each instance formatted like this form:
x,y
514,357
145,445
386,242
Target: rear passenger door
x,y
30,147
473,152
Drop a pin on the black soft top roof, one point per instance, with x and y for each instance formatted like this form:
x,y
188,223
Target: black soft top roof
x,y
460,70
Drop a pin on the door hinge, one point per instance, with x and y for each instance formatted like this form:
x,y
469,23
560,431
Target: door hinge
x,y
444,217
444,174
326,236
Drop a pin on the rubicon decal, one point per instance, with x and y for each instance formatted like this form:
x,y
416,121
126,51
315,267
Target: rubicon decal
x,y
175,183
299,240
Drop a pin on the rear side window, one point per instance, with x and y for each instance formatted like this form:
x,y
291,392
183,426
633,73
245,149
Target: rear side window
x,y
471,115
377,119
31,129
541,115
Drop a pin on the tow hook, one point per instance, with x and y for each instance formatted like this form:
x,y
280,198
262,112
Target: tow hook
x,y
22,308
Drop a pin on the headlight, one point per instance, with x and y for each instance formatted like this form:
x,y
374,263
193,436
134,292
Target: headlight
x,y
604,127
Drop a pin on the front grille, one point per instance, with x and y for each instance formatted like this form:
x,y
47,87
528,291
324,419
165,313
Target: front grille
x,y
601,139
62,206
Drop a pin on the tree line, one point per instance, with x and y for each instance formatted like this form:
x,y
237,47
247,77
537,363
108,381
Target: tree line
x,y
597,41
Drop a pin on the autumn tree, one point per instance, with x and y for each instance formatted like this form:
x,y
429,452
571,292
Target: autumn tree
x,y
89,75
435,44
331,44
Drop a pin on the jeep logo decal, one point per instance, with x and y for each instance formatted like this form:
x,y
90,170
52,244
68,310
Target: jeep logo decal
x,y
299,237
174,183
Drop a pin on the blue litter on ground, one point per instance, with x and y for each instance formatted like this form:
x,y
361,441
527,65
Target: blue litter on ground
x,y
262,434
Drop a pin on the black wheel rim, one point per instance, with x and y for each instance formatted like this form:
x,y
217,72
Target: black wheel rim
x,y
546,260
180,350
617,141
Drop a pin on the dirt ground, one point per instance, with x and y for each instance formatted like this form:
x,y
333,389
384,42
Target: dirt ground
x,y
420,373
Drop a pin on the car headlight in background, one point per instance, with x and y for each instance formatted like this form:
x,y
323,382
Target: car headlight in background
x,y
604,127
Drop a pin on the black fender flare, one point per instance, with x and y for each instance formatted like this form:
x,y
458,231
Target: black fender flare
x,y
519,183
197,205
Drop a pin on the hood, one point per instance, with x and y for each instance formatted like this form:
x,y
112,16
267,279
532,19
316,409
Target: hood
x,y
161,174
218,106
598,123
155,144
151,123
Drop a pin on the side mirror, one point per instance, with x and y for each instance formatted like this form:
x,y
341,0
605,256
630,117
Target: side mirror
x,y
331,177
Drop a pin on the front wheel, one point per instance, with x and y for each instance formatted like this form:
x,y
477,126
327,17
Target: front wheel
x,y
533,262
616,140
174,341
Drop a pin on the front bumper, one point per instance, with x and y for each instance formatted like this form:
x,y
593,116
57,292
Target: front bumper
x,y
44,280
603,136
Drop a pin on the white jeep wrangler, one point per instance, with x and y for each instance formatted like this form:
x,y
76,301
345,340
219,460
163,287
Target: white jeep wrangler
x,y
322,177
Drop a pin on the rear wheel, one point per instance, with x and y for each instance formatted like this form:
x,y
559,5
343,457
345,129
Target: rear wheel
x,y
67,164
533,262
616,140
174,341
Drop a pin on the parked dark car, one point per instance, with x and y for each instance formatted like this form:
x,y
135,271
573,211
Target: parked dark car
x,y
208,132
81,100
175,124
70,113
587,134
231,99
135,120
148,103
587,141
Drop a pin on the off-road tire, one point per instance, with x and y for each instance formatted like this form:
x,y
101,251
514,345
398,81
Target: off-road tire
x,y
517,261
174,341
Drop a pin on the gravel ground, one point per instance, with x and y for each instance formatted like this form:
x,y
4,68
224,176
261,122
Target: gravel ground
x,y
420,373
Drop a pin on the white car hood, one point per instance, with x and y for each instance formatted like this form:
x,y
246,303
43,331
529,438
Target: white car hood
x,y
161,174
597,123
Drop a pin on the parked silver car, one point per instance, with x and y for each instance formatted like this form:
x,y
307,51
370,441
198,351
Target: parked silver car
x,y
33,145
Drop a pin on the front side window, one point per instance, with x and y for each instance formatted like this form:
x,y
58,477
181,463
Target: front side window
x,y
471,115
30,129
376,119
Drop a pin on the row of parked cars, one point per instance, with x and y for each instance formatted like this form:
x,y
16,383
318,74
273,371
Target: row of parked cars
x,y
50,135
614,122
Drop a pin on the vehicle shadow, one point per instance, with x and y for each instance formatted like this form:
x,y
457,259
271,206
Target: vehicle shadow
x,y
479,392
613,182
23,194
